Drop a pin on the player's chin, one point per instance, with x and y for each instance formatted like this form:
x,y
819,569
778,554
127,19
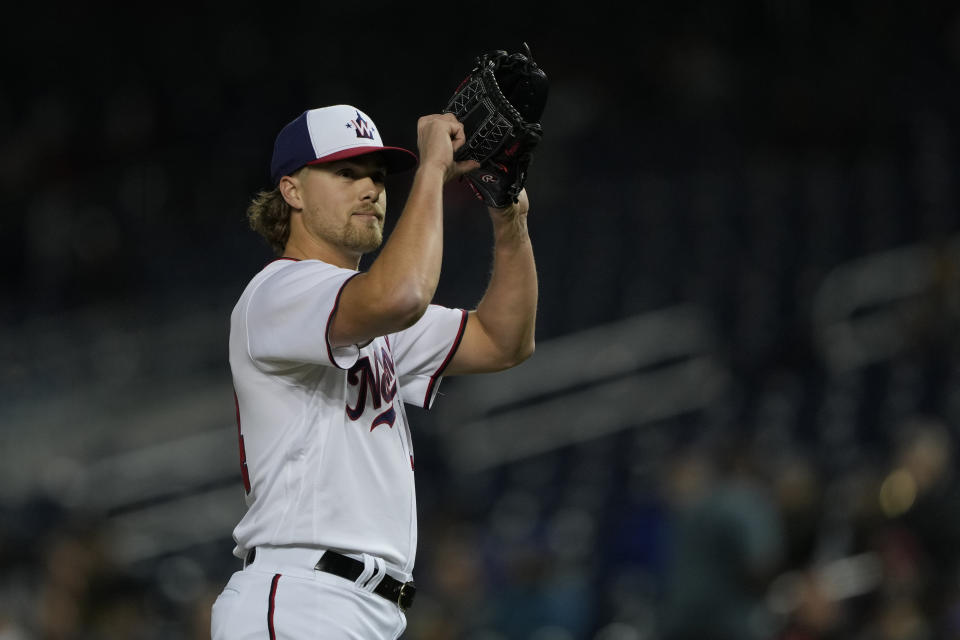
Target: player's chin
x,y
373,244
365,240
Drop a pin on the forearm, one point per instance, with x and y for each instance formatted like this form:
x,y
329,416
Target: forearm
x,y
408,266
507,312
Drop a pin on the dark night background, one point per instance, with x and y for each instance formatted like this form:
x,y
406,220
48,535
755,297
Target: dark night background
x,y
741,417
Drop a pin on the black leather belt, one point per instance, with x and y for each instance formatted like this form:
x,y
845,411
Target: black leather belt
x,y
400,593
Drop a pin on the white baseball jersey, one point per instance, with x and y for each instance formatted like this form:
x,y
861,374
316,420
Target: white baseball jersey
x,y
325,446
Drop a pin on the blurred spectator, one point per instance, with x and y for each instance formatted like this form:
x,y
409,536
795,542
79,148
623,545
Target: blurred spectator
x,y
728,546
921,542
74,559
798,487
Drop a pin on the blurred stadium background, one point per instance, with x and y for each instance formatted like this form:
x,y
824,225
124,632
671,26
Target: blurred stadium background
x,y
742,416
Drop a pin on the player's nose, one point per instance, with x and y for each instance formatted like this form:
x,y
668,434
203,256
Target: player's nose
x,y
370,190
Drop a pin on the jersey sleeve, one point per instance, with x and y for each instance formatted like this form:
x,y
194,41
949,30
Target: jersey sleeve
x,y
289,314
424,350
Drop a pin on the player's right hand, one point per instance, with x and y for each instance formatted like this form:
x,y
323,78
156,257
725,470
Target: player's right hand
x,y
438,136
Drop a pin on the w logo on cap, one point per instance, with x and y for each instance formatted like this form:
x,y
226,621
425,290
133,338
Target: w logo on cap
x,y
361,126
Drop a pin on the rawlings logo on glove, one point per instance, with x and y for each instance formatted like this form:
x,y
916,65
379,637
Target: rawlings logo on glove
x,y
500,104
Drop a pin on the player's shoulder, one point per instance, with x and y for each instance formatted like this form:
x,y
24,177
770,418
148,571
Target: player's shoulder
x,y
268,269
290,277
285,279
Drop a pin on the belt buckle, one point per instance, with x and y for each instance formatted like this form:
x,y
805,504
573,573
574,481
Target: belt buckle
x,y
405,595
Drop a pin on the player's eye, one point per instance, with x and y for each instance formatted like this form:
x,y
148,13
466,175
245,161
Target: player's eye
x,y
345,172
379,176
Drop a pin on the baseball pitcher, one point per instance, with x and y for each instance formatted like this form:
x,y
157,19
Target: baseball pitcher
x,y
324,357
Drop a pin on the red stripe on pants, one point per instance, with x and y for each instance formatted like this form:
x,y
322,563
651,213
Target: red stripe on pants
x,y
273,595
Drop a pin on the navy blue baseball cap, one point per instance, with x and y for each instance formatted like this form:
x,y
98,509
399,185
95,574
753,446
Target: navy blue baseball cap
x,y
332,133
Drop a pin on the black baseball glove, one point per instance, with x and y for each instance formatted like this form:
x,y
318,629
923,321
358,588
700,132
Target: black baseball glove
x,y
500,104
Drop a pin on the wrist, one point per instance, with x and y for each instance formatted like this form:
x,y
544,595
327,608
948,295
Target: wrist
x,y
432,169
508,215
508,228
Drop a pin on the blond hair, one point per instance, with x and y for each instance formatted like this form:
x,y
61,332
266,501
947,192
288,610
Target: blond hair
x,y
269,215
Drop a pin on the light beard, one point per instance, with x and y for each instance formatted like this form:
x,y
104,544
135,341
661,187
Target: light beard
x,y
362,238
355,235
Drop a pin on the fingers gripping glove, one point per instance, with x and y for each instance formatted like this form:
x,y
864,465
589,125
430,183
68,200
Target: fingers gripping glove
x,y
500,104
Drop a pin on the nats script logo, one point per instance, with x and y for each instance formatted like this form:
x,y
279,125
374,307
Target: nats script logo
x,y
376,381
361,126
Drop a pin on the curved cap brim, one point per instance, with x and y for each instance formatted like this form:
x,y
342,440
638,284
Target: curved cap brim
x,y
397,159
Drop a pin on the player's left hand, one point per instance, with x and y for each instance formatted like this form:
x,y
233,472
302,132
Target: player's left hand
x,y
500,104
514,209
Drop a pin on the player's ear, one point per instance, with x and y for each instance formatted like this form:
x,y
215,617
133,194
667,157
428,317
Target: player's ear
x,y
289,188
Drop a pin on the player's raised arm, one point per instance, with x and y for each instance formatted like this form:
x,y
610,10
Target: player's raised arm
x,y
401,282
500,332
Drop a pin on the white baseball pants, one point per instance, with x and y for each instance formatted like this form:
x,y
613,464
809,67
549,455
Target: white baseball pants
x,y
281,597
